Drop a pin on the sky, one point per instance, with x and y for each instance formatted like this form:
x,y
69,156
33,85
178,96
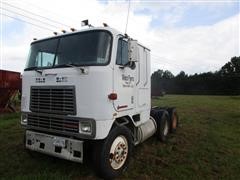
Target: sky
x,y
191,36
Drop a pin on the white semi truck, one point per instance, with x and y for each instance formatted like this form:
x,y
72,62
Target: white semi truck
x,y
88,94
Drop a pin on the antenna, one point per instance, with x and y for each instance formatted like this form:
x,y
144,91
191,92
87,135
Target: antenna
x,y
127,16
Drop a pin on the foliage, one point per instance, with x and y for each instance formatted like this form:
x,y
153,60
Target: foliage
x,y
226,81
232,67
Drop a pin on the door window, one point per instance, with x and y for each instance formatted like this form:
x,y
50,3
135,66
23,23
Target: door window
x,y
122,52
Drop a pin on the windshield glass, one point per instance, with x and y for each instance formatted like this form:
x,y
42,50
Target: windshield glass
x,y
86,48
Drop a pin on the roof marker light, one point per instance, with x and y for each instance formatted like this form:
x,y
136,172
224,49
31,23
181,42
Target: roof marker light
x,y
105,24
84,23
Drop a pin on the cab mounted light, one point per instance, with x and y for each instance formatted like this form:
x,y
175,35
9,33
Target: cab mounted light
x,y
105,24
72,29
34,39
55,33
64,31
84,23
112,96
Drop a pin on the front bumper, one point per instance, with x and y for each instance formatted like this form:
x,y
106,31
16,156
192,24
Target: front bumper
x,y
61,147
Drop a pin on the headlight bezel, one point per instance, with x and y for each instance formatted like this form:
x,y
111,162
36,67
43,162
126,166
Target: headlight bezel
x,y
88,125
24,119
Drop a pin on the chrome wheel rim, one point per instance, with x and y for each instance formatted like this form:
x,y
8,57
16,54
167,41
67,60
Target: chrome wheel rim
x,y
118,152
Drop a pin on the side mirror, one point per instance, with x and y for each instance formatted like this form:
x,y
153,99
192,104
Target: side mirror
x,y
133,50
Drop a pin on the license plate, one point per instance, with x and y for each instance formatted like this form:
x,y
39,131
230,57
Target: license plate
x,y
59,142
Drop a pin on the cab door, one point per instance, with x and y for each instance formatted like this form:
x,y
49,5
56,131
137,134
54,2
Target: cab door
x,y
124,78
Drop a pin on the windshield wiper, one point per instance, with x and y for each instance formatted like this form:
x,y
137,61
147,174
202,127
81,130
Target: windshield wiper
x,y
34,68
73,65
66,65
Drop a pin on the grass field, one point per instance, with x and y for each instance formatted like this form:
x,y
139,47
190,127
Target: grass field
x,y
205,146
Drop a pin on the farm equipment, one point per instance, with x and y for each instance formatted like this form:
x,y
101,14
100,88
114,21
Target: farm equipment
x,y
10,86
88,93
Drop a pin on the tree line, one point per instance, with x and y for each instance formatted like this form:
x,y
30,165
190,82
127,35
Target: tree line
x,y
225,81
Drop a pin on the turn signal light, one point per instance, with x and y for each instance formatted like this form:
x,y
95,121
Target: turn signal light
x,y
112,96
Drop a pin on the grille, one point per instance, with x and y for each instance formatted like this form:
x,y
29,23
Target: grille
x,y
51,99
64,124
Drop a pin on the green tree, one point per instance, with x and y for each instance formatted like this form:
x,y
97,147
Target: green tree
x,y
167,75
232,67
182,75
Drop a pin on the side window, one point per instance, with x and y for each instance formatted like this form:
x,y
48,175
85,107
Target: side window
x,y
122,52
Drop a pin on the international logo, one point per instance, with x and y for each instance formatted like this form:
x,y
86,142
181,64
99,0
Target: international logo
x,y
40,80
61,79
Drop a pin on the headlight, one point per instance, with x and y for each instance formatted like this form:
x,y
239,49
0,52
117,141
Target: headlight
x,y
24,119
85,128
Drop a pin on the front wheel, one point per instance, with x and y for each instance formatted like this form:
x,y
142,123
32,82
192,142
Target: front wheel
x,y
112,155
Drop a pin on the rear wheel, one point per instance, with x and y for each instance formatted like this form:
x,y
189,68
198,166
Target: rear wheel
x,y
173,119
162,119
111,155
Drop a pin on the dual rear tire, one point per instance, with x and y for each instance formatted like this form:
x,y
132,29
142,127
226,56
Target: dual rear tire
x,y
173,119
162,120
166,120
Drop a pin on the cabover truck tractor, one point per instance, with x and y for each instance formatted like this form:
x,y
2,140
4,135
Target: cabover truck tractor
x,y
86,94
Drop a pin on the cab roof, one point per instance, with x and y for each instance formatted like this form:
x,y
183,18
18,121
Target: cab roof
x,y
113,31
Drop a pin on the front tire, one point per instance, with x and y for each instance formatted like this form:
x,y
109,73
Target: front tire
x,y
111,155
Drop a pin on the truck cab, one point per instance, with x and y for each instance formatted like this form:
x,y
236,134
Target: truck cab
x,y
87,86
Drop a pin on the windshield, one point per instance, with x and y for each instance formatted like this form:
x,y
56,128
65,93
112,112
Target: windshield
x,y
86,48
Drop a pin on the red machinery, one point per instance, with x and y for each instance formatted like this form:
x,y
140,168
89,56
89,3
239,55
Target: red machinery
x,y
10,85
